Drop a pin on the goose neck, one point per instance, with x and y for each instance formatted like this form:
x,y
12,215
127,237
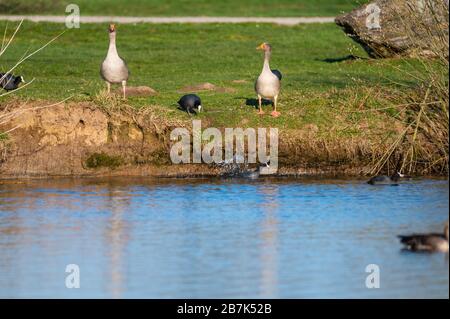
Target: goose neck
x,y
112,44
266,66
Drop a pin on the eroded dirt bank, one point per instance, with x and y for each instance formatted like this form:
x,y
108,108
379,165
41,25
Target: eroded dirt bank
x,y
80,139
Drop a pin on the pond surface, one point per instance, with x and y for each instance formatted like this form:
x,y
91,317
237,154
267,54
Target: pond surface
x,y
269,238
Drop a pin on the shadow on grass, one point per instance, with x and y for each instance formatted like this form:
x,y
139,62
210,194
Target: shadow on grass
x,y
254,102
350,57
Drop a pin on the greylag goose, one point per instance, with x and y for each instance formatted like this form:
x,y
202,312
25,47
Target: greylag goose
x,y
10,82
268,84
386,180
114,69
427,242
190,103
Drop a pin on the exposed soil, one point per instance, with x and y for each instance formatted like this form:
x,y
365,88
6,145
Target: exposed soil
x,y
60,140
206,87
81,139
137,91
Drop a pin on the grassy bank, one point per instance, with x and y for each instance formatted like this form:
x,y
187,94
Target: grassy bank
x,y
270,8
171,57
334,109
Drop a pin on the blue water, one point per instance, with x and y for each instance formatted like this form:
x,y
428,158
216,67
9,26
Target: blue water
x,y
273,238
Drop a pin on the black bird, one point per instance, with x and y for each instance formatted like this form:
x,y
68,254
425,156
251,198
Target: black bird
x,y
190,103
10,82
386,180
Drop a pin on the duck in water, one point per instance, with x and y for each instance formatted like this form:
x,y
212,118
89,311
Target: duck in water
x,y
386,180
263,169
426,242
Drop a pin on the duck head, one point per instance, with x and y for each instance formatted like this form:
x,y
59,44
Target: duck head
x,y
397,176
266,47
112,28
19,79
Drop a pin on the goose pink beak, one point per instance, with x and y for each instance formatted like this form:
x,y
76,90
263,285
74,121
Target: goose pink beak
x,y
261,47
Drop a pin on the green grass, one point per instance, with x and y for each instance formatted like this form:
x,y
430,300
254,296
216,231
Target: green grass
x,y
272,8
98,160
3,137
169,57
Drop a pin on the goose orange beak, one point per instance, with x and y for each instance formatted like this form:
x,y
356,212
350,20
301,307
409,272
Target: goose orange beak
x,y
261,47
112,28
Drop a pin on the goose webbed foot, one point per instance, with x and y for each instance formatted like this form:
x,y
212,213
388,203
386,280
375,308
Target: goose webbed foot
x,y
275,114
260,112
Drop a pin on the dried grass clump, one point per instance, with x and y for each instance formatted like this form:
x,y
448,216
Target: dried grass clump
x,y
9,109
422,147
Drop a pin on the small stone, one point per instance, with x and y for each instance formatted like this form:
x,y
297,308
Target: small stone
x,y
137,91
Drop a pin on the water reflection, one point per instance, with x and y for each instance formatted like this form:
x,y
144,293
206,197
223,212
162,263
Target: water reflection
x,y
268,238
269,234
116,239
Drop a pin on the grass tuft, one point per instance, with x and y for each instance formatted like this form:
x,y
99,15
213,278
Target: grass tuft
x,y
423,144
99,160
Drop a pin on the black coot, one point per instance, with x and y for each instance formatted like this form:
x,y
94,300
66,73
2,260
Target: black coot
x,y
10,82
190,103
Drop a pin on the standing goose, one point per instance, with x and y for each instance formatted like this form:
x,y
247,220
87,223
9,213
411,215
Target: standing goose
x,y
114,69
268,84
427,242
